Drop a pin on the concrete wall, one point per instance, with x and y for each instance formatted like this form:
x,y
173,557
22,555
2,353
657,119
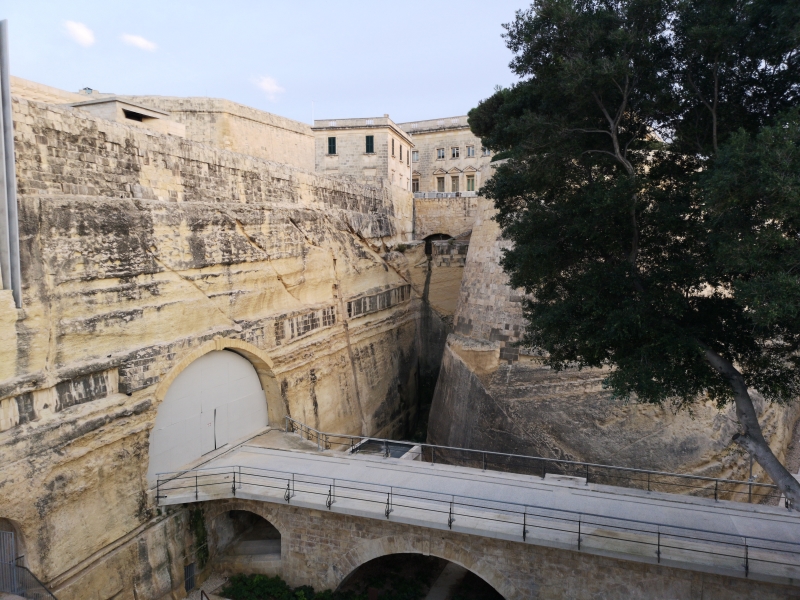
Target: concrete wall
x,y
138,251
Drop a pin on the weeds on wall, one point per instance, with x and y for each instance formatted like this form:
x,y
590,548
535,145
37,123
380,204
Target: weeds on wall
x,y
197,525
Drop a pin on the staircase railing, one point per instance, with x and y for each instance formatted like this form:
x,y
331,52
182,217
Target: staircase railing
x,y
19,581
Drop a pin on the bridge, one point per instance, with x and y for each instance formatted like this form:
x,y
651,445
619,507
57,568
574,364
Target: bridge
x,y
339,501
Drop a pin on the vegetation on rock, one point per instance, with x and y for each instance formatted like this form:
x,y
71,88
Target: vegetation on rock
x,y
652,194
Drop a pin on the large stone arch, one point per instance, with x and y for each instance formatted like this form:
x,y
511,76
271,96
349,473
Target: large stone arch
x,y
367,550
220,392
213,510
261,361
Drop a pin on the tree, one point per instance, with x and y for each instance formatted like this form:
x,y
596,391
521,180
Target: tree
x,y
651,189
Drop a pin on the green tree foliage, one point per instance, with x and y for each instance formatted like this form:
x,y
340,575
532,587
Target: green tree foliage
x,y
651,189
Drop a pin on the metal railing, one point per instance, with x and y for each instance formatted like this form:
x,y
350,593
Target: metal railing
x,y
21,582
642,479
760,557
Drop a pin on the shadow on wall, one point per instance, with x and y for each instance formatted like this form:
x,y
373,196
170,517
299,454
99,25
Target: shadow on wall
x,y
246,543
415,576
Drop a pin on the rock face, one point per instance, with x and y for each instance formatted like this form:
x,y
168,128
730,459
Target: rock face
x,y
490,396
138,249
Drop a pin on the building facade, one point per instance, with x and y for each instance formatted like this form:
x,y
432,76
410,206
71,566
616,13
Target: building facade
x,y
366,150
447,157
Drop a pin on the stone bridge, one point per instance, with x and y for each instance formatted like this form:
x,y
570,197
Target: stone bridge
x,y
527,537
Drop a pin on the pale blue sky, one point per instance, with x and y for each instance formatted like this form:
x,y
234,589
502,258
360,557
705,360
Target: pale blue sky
x,y
412,59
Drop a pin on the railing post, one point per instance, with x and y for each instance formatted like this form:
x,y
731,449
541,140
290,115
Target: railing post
x,y
484,461
544,467
750,491
716,489
579,533
240,477
746,559
195,488
233,487
433,455
587,479
288,495
385,449
329,500
158,491
524,523
388,505
450,518
658,550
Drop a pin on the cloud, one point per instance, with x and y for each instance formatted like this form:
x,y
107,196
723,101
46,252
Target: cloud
x,y
79,33
139,42
269,86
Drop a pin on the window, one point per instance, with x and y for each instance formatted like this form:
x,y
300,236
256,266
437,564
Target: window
x,y
415,185
331,145
440,154
454,152
485,151
454,183
415,156
470,151
392,147
401,152
470,183
440,184
370,144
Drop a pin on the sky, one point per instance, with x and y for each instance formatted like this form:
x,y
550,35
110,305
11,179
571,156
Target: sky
x,y
412,59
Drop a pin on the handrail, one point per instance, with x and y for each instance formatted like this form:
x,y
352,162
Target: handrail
x,y
324,439
496,517
22,582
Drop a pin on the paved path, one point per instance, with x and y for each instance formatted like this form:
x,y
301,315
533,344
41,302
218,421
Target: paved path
x,y
725,537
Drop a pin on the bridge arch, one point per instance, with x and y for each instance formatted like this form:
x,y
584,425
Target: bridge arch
x,y
223,390
368,550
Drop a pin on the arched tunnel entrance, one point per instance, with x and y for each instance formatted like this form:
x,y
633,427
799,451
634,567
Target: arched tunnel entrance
x,y
246,543
415,577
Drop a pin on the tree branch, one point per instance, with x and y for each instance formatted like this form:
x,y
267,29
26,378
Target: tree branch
x,y
751,438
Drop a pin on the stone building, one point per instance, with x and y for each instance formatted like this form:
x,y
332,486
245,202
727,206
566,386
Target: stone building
x,y
365,150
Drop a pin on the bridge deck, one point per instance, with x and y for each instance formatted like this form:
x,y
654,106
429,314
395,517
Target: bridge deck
x,y
723,537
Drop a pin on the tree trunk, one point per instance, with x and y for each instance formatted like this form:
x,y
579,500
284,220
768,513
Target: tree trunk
x,y
751,438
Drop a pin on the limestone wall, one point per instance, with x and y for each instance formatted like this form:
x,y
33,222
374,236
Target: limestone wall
x,y
490,395
239,128
138,249
450,216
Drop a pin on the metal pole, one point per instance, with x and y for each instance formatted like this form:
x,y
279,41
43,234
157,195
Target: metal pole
x,y
195,488
658,551
579,533
233,487
11,229
524,524
746,559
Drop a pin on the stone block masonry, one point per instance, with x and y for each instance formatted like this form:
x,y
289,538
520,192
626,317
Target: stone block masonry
x,y
322,548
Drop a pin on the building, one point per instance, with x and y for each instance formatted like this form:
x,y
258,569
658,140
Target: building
x,y
447,157
365,150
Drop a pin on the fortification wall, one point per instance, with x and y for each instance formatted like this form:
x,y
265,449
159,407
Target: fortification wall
x,y
239,128
139,248
491,396
450,216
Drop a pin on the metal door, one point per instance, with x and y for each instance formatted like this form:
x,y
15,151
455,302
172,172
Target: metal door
x,y
8,574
